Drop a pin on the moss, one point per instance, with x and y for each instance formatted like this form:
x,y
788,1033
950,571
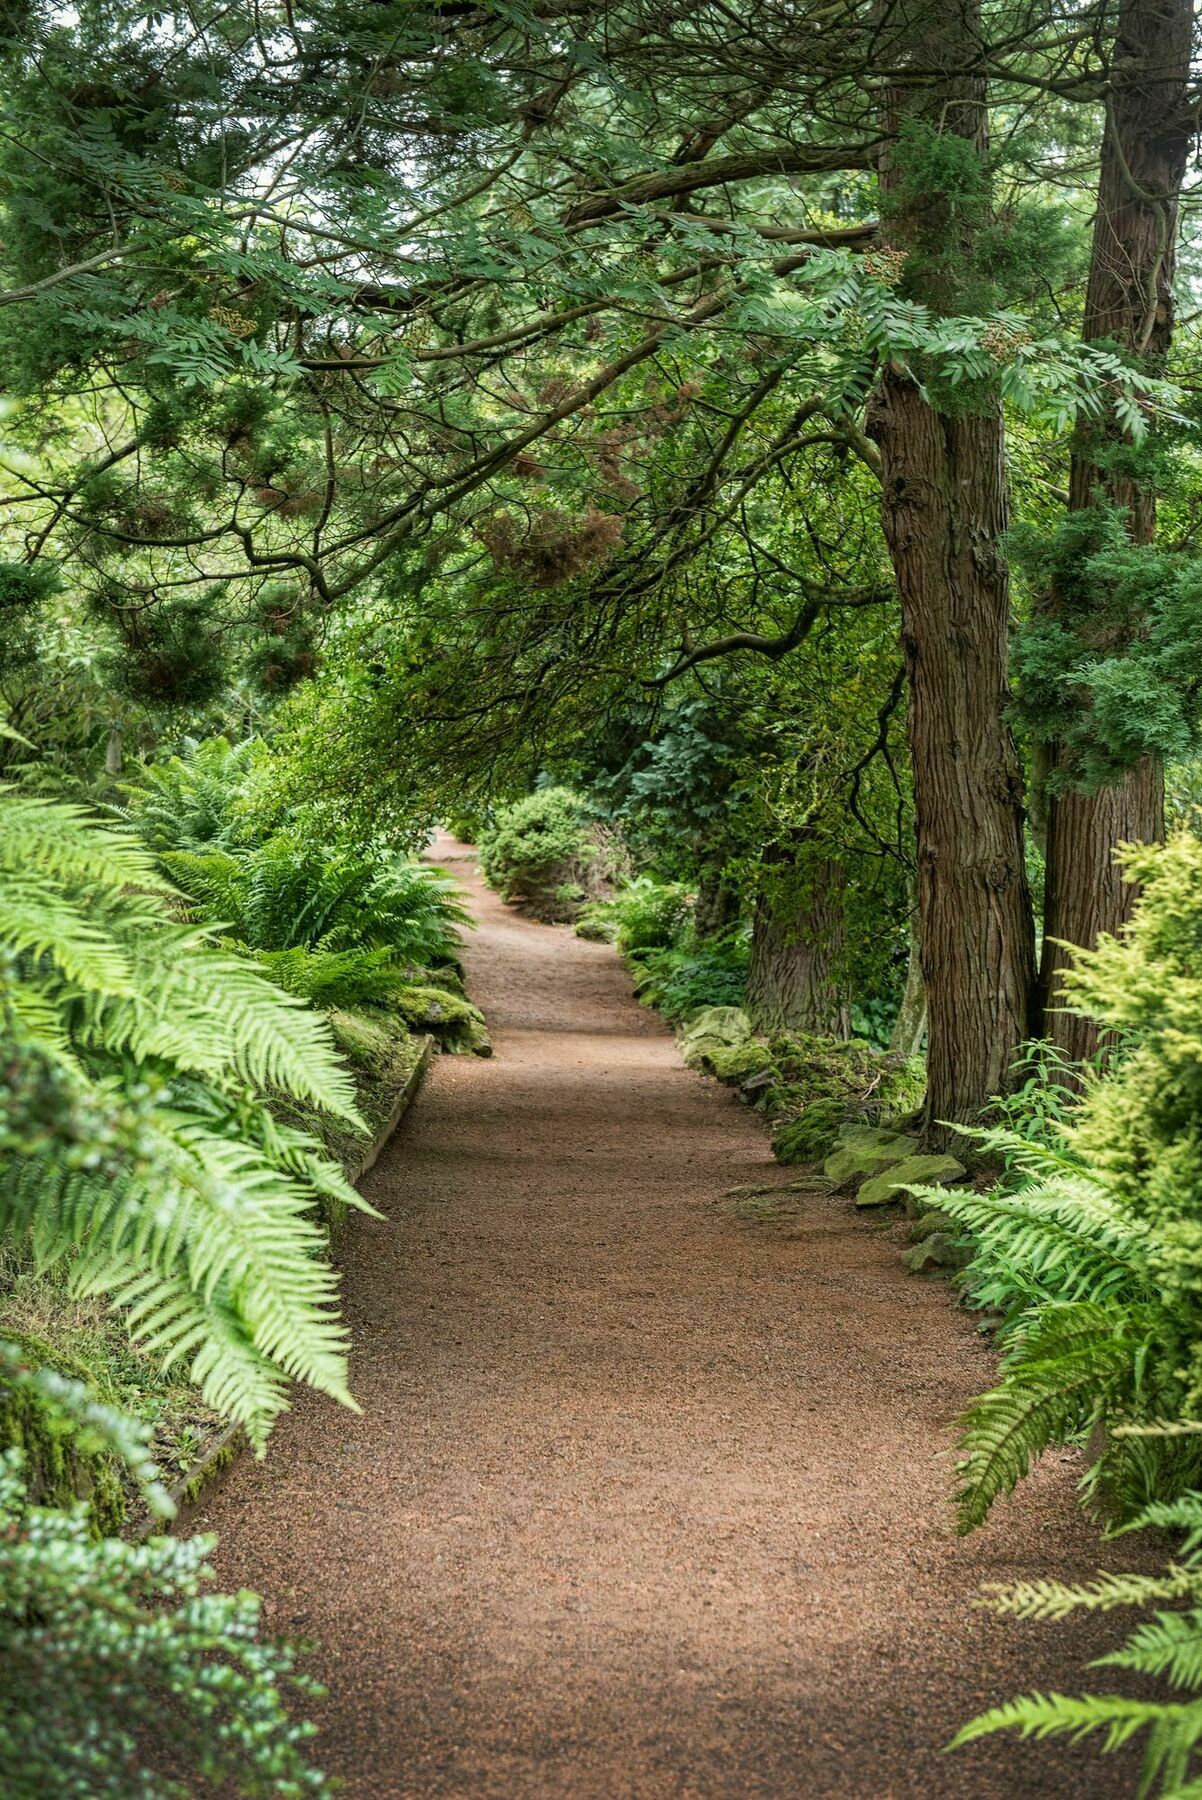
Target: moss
x,y
809,1136
370,1043
829,1082
455,1023
61,1465
736,1063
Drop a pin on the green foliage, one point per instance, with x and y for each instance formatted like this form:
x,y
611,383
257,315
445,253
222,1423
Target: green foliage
x,y
535,845
1125,636
1166,1646
1089,1248
826,1083
102,1644
645,914
677,981
290,892
139,1154
191,801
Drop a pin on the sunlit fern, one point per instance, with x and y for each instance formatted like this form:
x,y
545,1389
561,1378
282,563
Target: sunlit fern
x,y
139,1154
1167,1647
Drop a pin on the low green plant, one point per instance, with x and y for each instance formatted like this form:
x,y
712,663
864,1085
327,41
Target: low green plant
x,y
1165,1646
643,915
121,1677
138,1152
289,893
677,980
191,801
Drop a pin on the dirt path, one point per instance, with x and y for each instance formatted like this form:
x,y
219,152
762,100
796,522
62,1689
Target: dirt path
x,y
645,1501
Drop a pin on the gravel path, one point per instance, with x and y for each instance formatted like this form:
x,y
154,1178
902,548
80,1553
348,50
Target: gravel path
x,y
645,1501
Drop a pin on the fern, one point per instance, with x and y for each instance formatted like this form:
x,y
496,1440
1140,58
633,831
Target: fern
x,y
1076,1363
193,801
1173,1731
139,1153
287,894
1059,1237
1165,1647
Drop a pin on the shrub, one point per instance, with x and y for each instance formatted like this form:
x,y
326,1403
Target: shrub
x,y
192,801
1090,1245
643,915
290,893
542,853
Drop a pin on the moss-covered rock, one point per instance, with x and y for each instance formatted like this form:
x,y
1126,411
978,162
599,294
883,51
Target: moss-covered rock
x,y
738,1063
454,1022
867,1150
809,1136
938,1253
927,1224
829,1083
879,1190
712,1029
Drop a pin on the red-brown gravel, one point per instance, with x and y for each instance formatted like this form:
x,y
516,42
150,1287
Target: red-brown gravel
x,y
645,1501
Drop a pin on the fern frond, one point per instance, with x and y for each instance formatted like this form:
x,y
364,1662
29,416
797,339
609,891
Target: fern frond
x,y
65,843
1169,1646
1056,1381
211,1013
201,1224
37,922
1176,1726
1057,1599
1062,1238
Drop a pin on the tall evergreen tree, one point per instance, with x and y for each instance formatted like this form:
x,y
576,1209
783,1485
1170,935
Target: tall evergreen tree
x,y
1151,120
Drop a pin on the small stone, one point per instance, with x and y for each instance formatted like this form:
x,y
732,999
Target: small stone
x,y
725,1024
929,1222
879,1190
937,1253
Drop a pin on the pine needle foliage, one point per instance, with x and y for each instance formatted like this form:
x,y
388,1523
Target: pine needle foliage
x,y
138,1152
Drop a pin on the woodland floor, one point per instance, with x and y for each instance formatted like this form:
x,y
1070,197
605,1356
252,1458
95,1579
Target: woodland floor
x,y
645,1500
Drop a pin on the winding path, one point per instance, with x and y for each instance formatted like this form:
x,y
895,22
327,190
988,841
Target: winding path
x,y
646,1502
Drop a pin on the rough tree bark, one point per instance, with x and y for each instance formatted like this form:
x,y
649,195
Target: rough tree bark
x,y
796,980
944,510
1129,298
717,904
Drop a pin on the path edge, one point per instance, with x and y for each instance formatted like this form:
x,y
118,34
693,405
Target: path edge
x,y
231,1442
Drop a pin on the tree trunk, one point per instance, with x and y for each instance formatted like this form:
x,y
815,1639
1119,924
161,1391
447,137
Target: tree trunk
x,y
795,982
1129,298
944,509
1085,893
910,1025
114,757
717,904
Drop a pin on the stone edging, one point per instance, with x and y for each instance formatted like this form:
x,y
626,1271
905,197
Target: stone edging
x,y
230,1442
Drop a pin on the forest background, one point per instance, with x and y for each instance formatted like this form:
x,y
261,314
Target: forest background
x,y
768,435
